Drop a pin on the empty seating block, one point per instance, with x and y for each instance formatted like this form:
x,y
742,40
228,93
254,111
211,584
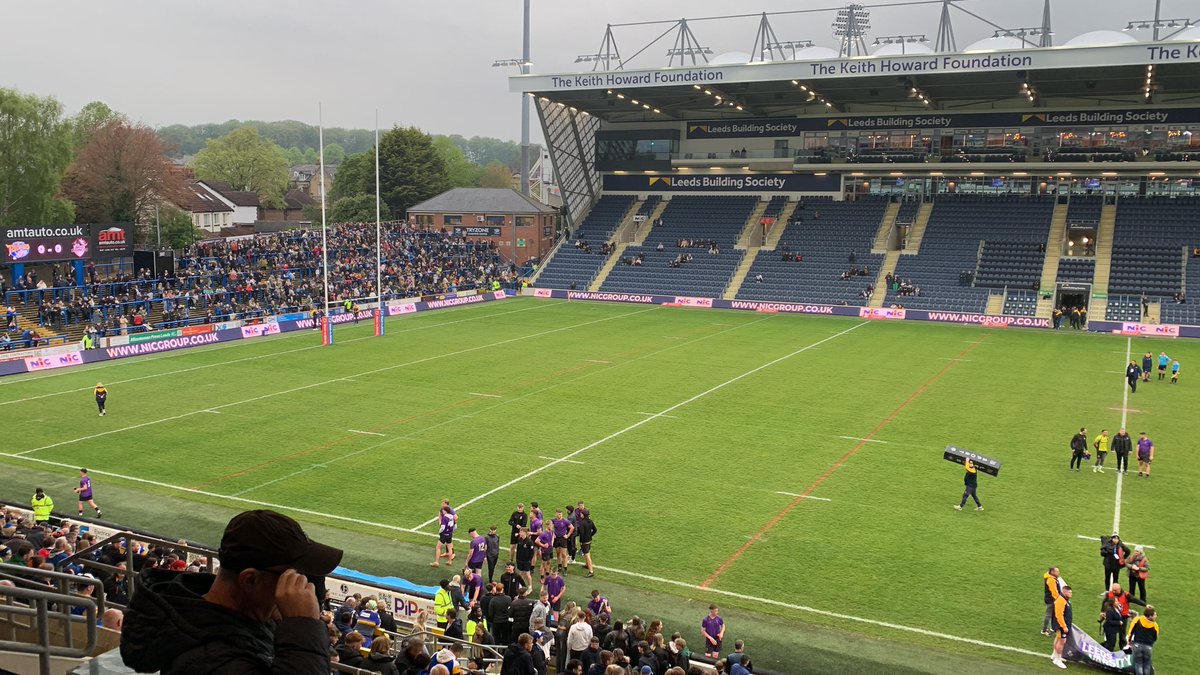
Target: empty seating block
x,y
1021,303
1013,264
572,265
951,246
698,219
1078,270
825,245
1151,238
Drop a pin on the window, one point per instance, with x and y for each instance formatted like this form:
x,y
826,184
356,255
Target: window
x,y
525,221
450,220
425,219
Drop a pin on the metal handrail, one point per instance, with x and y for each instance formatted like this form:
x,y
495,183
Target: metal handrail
x,y
41,602
434,639
64,580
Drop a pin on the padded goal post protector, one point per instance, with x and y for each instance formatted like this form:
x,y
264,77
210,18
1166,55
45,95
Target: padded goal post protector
x,y
958,455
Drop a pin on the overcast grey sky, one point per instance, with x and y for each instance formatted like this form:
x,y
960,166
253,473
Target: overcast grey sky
x,y
423,63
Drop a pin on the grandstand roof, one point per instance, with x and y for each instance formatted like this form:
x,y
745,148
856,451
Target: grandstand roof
x,y
480,200
1077,76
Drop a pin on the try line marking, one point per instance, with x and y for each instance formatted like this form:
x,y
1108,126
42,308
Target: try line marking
x,y
1124,414
1084,536
637,575
639,423
368,433
571,461
229,363
793,494
336,379
475,393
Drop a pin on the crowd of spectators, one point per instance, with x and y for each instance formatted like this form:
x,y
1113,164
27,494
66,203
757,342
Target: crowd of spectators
x,y
239,278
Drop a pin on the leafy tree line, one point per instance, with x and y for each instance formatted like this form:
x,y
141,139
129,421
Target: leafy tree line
x,y
300,142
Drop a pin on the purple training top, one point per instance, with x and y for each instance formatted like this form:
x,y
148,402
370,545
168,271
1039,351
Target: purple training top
x,y
85,488
478,551
545,539
535,522
447,523
597,604
561,526
1144,445
712,626
555,585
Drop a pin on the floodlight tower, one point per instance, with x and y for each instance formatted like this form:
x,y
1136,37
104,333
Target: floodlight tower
x,y
523,63
851,25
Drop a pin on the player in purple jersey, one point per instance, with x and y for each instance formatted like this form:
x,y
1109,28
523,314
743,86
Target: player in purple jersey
x,y
85,492
713,627
535,518
556,587
545,546
563,529
447,521
478,552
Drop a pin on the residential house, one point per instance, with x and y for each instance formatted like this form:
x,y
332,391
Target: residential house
x,y
245,204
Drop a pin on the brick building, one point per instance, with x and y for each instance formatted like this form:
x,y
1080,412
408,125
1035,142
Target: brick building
x,y
522,228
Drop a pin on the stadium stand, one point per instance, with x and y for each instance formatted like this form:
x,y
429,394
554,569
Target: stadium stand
x,y
1021,303
814,251
1077,269
1150,242
577,265
1013,264
699,221
952,243
220,280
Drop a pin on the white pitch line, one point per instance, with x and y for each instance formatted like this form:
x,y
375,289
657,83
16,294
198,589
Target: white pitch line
x,y
639,423
596,361
213,412
1091,538
793,494
475,393
857,438
336,379
638,575
367,433
569,461
670,417
1124,414
118,362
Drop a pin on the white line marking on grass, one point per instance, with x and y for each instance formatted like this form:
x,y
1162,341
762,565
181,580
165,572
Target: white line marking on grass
x,y
651,418
670,417
638,575
118,362
856,438
596,361
504,402
475,393
570,461
1124,414
367,433
1090,538
213,412
338,379
793,494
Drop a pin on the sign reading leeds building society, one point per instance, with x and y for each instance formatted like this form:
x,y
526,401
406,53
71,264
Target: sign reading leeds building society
x,y
758,182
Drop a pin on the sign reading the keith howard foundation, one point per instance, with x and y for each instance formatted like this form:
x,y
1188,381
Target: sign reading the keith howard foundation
x,y
772,127
756,182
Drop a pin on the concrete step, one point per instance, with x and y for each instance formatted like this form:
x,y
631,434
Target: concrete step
x,y
913,245
608,267
739,276
887,267
880,245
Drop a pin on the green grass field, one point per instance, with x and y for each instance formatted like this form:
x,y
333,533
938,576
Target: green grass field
x,y
689,434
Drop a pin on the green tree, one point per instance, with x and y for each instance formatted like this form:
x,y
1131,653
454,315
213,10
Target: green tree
x,y
355,176
247,162
120,174
90,118
311,156
410,169
334,154
35,150
357,209
295,155
177,228
461,171
496,175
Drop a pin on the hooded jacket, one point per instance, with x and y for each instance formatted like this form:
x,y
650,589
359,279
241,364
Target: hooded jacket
x,y
170,628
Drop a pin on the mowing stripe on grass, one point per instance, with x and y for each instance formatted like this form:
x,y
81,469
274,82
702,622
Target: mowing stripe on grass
x,y
242,360
338,379
556,377
635,425
836,465
637,575
1124,416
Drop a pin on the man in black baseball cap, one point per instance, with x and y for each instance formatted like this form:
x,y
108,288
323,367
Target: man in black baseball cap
x,y
258,615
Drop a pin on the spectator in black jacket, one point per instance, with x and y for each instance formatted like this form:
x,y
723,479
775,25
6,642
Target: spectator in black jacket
x,y
1079,446
1113,625
519,614
349,653
259,615
497,614
518,657
1114,553
413,659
